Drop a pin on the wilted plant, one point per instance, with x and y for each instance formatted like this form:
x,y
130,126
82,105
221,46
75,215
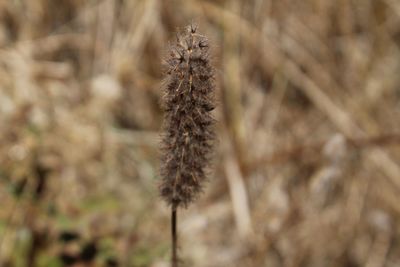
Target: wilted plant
x,y
188,124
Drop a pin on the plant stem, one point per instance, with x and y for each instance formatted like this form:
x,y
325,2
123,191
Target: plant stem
x,y
174,237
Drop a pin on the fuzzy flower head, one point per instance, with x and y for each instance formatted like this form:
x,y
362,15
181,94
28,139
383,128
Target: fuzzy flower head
x,y
188,132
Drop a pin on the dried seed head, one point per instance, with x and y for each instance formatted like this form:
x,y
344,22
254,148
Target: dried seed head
x,y
188,124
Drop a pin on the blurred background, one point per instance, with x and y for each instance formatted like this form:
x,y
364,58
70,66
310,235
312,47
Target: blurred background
x,y
307,165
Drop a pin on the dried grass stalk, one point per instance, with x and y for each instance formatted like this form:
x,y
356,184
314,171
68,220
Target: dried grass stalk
x,y
188,125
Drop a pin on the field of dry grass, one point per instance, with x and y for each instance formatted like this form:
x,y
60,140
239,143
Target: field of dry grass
x,y
306,171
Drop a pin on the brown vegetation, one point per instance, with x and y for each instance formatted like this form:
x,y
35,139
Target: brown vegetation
x,y
307,168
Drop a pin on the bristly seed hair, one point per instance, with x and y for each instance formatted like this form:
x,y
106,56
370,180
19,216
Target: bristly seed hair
x,y
188,136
